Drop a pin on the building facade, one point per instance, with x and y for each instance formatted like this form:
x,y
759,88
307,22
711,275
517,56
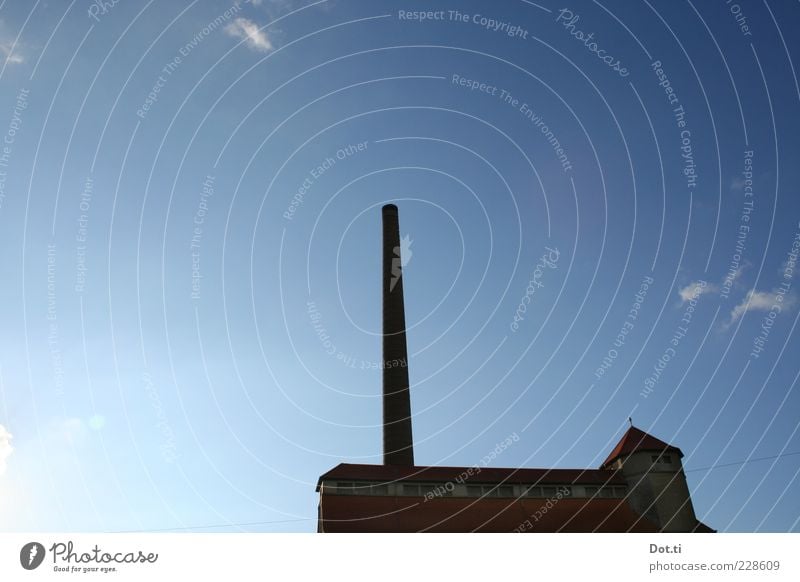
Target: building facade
x,y
640,487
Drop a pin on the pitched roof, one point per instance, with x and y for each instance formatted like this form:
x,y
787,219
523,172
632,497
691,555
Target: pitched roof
x,y
390,473
635,440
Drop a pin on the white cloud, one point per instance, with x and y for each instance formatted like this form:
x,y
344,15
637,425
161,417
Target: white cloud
x,y
10,55
733,278
696,289
738,273
5,447
762,301
247,29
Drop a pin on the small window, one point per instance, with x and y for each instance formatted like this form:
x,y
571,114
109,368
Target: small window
x,y
534,491
437,489
474,490
549,491
667,459
362,488
410,489
379,490
505,491
590,491
344,488
565,491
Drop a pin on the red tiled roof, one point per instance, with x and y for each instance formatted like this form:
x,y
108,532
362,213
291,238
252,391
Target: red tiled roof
x,y
637,440
390,473
346,513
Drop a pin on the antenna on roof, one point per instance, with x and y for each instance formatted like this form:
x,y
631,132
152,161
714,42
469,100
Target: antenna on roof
x,y
630,420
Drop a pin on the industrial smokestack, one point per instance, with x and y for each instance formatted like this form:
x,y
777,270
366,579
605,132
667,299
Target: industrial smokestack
x,y
398,445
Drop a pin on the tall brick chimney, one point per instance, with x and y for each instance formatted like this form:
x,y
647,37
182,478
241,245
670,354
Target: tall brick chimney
x,y
398,445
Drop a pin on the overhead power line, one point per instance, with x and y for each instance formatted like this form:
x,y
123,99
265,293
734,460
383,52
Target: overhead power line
x,y
742,462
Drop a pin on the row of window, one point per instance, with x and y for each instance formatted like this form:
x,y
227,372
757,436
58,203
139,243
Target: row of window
x,y
361,488
486,490
605,491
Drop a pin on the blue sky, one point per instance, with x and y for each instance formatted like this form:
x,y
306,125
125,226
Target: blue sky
x,y
190,220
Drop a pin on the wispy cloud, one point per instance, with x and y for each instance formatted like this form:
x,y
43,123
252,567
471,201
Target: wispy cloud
x,y
5,447
733,276
9,48
248,30
696,289
9,55
737,183
762,301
